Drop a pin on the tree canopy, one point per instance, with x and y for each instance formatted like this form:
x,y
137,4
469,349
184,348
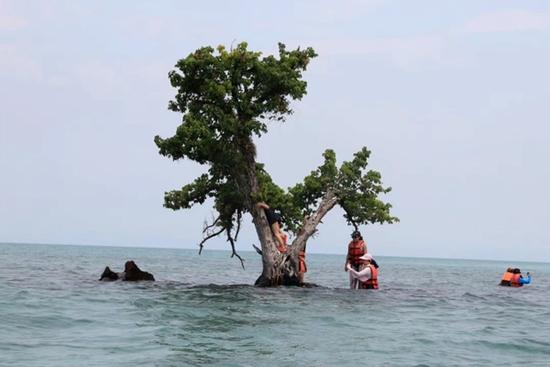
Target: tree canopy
x,y
228,97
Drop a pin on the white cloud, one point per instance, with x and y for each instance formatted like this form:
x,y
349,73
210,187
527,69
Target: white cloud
x,y
324,11
508,21
151,26
104,80
12,23
408,53
9,21
14,63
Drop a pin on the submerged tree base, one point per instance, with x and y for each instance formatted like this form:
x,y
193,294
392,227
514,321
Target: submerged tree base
x,y
283,272
286,280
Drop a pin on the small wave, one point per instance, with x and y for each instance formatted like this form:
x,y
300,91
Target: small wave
x,y
469,295
530,348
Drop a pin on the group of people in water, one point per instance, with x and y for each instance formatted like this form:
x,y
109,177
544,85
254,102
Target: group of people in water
x,y
513,278
361,266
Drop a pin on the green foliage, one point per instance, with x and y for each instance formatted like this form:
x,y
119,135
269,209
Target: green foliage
x,y
230,94
358,192
227,97
306,195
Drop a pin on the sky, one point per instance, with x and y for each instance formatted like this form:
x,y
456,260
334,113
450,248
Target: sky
x,y
451,97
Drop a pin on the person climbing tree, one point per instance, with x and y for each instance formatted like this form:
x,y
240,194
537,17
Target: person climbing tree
x,y
275,221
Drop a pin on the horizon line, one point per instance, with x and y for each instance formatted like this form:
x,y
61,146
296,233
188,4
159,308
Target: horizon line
x,y
209,249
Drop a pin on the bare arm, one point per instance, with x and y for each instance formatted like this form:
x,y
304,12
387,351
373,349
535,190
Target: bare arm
x,y
365,273
347,261
262,205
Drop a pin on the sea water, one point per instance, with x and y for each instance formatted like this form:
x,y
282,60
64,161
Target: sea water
x,y
203,311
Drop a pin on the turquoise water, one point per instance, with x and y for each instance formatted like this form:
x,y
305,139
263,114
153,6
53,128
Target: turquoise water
x,y
202,311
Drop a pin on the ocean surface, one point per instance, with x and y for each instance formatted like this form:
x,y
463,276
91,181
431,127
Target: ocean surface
x,y
203,311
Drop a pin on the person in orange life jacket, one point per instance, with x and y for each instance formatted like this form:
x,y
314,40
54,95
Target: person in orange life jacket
x,y
356,248
368,275
513,278
275,221
507,277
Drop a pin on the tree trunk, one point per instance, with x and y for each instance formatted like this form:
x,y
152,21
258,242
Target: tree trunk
x,y
278,269
282,269
271,258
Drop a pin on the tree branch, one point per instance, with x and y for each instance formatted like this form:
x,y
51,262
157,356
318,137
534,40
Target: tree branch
x,y
239,217
234,253
209,226
201,244
258,250
311,222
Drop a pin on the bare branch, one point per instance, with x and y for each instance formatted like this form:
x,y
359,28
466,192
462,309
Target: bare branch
x,y
239,217
353,223
234,253
201,244
207,227
258,250
310,223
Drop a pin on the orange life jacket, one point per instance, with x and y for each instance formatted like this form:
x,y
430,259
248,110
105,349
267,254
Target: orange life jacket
x,y
515,281
355,251
372,283
507,279
510,279
302,268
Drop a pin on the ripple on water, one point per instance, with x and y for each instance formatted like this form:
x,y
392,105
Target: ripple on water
x,y
60,313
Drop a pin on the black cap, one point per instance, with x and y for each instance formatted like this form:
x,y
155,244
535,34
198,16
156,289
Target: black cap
x,y
355,234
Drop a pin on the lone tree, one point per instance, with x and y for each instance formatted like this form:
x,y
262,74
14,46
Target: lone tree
x,y
227,97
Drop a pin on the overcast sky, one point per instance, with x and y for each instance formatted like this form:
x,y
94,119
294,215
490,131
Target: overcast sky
x,y
452,97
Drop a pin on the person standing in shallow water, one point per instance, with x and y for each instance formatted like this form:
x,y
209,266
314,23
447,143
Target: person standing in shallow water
x,y
356,248
368,275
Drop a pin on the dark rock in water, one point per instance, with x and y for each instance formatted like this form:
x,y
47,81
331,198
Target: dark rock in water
x,y
109,275
131,273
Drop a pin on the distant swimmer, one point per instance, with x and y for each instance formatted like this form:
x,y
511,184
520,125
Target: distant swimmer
x,y
513,278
